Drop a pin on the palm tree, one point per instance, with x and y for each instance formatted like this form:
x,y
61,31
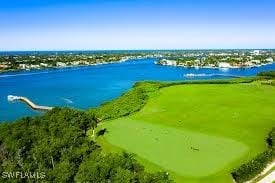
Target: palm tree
x,y
93,124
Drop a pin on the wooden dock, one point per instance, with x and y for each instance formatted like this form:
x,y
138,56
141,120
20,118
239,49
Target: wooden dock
x,y
29,103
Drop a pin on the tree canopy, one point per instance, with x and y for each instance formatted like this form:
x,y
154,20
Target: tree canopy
x,y
56,144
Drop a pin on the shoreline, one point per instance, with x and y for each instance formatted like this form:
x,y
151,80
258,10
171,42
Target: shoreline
x,y
63,67
216,67
20,71
72,66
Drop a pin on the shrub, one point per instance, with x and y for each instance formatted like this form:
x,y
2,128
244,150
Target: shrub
x,y
269,74
255,166
271,139
130,102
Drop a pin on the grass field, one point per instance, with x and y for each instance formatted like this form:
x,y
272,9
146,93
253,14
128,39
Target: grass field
x,y
198,133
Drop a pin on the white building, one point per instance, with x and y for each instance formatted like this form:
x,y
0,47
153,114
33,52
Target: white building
x,y
256,52
269,59
22,66
256,61
224,65
60,64
43,65
169,62
34,66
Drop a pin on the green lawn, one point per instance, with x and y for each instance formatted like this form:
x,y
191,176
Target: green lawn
x,y
198,133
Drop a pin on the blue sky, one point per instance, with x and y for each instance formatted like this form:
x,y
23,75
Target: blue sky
x,y
136,24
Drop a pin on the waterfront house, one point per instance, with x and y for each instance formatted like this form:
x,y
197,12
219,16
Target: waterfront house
x,y
224,65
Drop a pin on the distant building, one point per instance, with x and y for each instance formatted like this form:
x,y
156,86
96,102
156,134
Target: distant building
x,y
44,65
3,66
224,65
269,59
34,66
255,61
169,62
256,52
22,66
60,64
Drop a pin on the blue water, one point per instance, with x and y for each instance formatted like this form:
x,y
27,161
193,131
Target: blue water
x,y
85,87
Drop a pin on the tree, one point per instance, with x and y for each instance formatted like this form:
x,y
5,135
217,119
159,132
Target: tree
x,y
93,123
56,143
84,123
122,176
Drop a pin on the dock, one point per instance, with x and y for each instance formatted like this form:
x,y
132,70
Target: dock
x,y
12,98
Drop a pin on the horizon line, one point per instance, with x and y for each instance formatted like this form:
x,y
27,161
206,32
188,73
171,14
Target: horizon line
x,y
168,49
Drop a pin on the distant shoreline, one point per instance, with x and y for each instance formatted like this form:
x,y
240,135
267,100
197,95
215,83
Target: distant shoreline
x,y
215,67
121,61
62,67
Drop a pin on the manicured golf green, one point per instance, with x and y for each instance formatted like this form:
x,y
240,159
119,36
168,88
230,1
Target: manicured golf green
x,y
199,133
175,148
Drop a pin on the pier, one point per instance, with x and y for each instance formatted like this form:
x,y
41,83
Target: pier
x,y
12,98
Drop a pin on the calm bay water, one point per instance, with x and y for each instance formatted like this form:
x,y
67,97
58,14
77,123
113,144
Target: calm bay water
x,y
85,87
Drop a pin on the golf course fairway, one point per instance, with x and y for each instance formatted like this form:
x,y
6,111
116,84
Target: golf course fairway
x,y
199,132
